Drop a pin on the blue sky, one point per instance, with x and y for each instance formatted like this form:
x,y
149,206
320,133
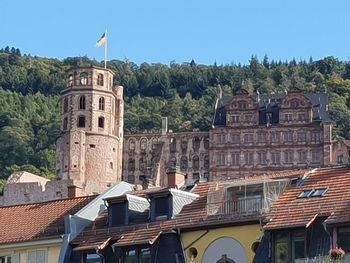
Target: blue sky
x,y
208,31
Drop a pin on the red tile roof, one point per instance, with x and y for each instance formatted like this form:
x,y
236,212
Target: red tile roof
x,y
36,221
291,211
191,216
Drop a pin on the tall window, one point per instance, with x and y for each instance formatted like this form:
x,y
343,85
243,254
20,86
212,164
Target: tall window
x,y
172,145
248,138
275,158
302,157
65,105
288,117
37,256
172,162
301,137
288,136
82,103
83,78
221,138
132,145
101,103
195,161
143,144
235,158
288,157
206,162
262,158
100,79
235,118
65,123
248,158
70,81
220,159
101,122
315,156
131,165
315,137
261,137
142,164
281,248
81,121
236,138
183,163
275,136
196,143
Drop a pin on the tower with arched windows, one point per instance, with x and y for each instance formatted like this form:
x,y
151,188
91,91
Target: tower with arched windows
x,y
89,150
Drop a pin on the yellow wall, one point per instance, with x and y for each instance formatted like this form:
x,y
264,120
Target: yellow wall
x,y
52,252
246,235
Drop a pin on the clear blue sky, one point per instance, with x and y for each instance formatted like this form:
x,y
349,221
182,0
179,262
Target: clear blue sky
x,y
153,31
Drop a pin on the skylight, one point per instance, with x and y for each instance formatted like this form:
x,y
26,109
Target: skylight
x,y
313,193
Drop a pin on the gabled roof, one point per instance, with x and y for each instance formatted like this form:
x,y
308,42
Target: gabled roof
x,y
291,211
193,215
36,221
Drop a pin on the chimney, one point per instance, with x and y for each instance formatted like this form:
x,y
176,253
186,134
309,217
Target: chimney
x,y
164,125
176,179
74,191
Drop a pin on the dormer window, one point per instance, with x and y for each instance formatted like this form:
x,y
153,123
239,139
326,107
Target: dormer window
x,y
83,79
161,208
100,79
118,214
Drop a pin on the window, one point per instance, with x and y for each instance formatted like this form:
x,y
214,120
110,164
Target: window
x,y
92,258
221,138
302,117
221,159
196,142
195,161
14,258
235,158
294,104
70,81
344,238
145,255
206,143
130,256
262,158
65,105
131,164
248,158
101,103
301,137
315,137
172,162
135,255
83,79
261,137
319,192
82,103
306,193
172,145
184,144
248,138
288,157
288,136
161,208
131,178
37,256
248,118
100,79
195,177
154,143
288,117
235,118
101,122
81,121
340,159
65,123
118,214
302,157
132,145
183,163
274,136
143,144
315,156
206,162
142,164
275,158
298,245
236,138
281,248
242,105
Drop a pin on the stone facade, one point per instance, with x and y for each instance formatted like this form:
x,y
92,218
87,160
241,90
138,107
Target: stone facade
x,y
255,135
150,156
341,152
89,150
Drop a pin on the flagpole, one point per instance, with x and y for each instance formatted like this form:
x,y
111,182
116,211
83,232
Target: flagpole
x,y
106,49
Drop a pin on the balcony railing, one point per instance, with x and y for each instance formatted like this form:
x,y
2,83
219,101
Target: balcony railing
x,y
323,259
245,205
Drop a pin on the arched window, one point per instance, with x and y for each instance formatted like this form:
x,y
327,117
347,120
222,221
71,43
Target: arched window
x,y
132,145
65,123
100,79
195,162
131,164
83,78
154,143
142,164
143,144
65,105
101,103
206,143
196,143
131,178
82,104
70,81
81,121
101,122
184,144
183,163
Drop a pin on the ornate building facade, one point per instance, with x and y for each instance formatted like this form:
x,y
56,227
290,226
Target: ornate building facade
x,y
89,150
256,135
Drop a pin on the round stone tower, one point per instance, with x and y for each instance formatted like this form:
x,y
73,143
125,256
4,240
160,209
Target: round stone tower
x,y
89,150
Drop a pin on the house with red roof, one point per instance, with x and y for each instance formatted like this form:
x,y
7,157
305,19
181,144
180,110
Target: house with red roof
x,y
310,220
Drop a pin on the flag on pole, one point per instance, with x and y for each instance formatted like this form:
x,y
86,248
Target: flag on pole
x,y
102,40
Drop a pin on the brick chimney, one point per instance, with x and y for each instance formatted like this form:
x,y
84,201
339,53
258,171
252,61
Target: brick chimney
x,y
74,191
176,178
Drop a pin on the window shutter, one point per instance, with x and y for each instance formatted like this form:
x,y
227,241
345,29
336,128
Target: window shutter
x,y
15,258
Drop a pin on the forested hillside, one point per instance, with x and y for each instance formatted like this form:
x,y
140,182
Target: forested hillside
x,y
186,93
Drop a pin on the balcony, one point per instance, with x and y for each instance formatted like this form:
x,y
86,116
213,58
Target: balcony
x,y
322,259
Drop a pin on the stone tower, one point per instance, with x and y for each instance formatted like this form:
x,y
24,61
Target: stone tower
x,y
89,150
